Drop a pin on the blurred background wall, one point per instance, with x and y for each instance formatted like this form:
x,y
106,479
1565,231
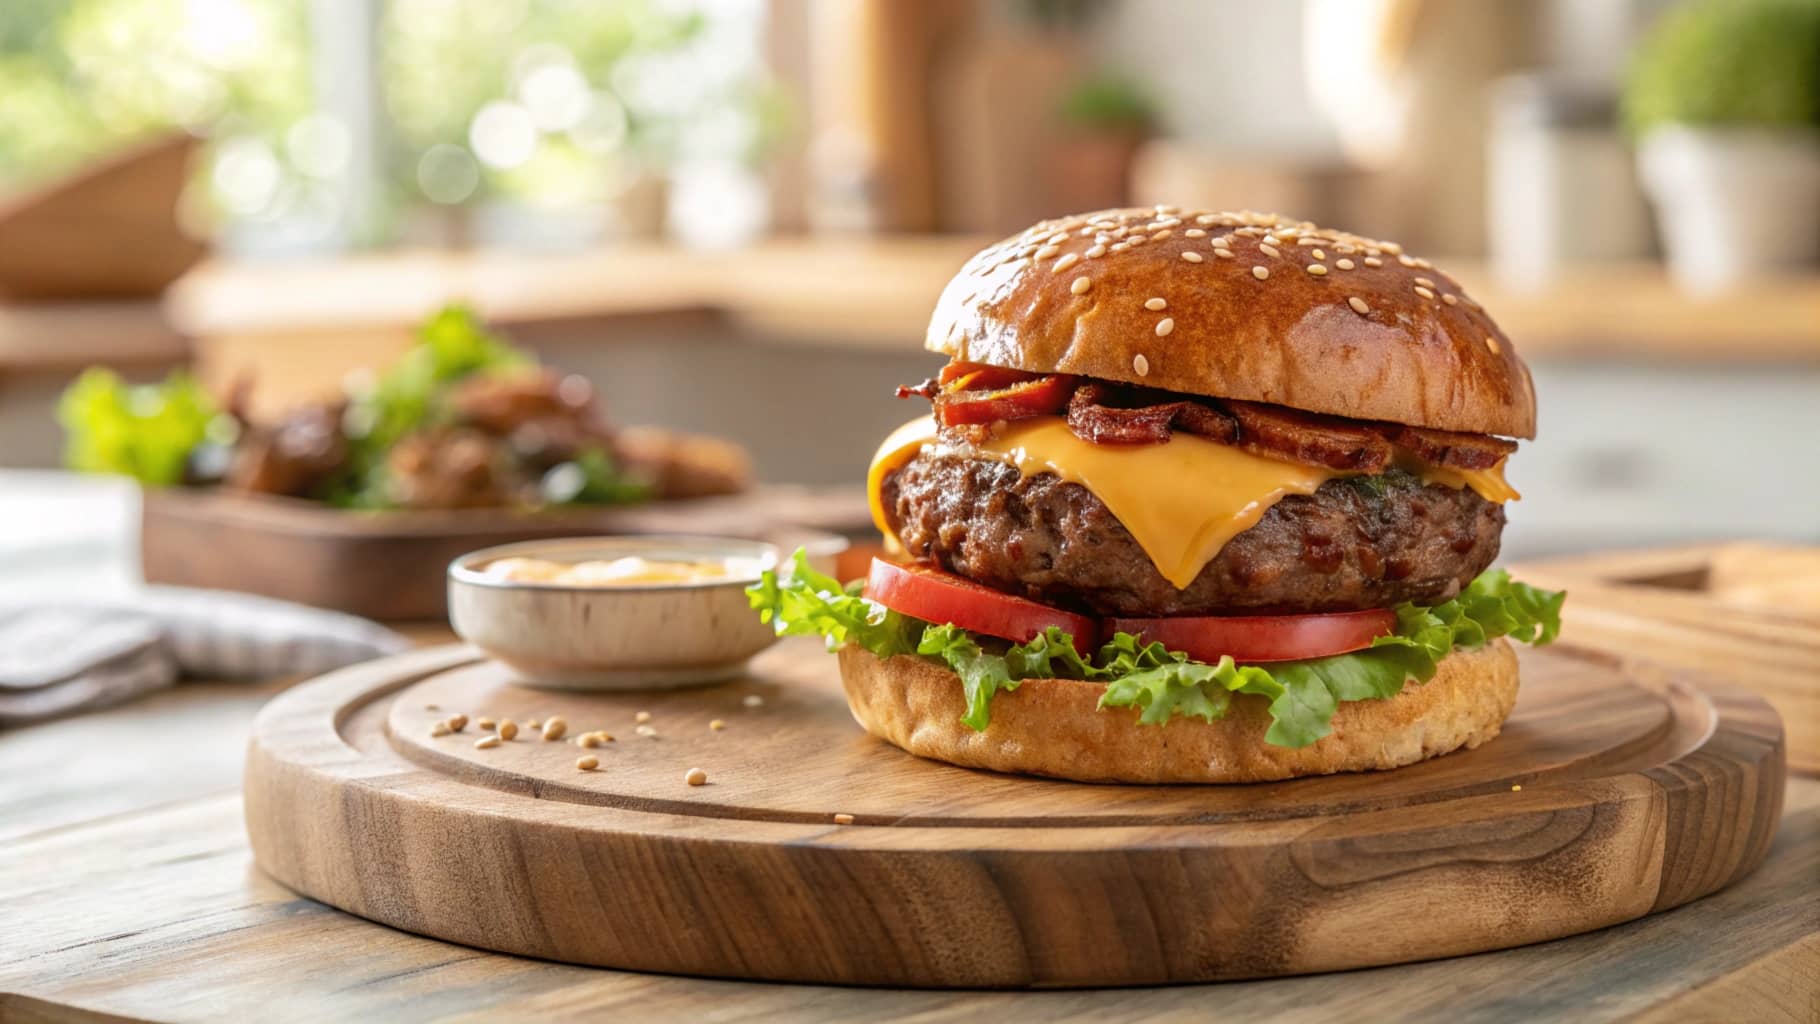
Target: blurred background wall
x,y
735,214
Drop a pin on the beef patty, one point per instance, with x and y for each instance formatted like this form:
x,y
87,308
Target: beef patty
x,y
1358,542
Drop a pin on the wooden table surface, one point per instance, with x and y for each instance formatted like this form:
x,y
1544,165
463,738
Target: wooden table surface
x,y
127,891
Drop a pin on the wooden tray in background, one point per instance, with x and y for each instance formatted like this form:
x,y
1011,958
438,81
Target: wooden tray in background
x,y
390,565
816,853
1748,612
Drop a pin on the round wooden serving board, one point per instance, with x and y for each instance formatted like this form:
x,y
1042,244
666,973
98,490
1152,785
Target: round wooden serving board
x,y
1615,791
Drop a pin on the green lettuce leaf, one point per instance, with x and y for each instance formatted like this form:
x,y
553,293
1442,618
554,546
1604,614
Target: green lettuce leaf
x,y
1161,683
145,431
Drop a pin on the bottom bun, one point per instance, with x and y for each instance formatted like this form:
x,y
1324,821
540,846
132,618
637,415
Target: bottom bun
x,y
1054,727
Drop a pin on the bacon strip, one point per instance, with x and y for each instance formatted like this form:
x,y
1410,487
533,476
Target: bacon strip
x,y
1450,448
1103,414
1307,437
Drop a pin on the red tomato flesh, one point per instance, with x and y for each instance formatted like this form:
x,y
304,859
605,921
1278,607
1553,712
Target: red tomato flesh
x,y
972,376
942,597
1042,396
1258,638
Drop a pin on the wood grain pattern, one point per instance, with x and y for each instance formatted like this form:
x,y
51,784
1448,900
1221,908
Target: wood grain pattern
x,y
391,565
1707,608
1640,789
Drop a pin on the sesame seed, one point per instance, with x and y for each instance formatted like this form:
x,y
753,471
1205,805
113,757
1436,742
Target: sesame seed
x,y
645,730
440,729
1140,365
1492,343
1160,235
1425,282
1270,239
717,725
587,764
554,728
696,777
1343,264
1206,218
1517,788
588,739
1156,305
1373,261
1066,261
956,335
642,716
1260,272
1406,261
1192,256
1058,238
1319,255
1046,251
1164,326
1120,246
484,723
1195,233
752,700
1317,270
432,707
1358,305
458,723
1424,292
1450,299
1096,252
1306,240
1136,240
843,819
532,723
486,743
508,729
1080,285
1223,253
1270,250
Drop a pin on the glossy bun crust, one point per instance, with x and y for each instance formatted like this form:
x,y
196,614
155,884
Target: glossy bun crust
x,y
1054,727
1338,324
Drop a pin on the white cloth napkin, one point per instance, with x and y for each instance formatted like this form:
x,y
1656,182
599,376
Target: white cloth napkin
x,y
65,656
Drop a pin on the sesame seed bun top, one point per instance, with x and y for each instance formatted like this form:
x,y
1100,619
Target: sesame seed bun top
x,y
1239,305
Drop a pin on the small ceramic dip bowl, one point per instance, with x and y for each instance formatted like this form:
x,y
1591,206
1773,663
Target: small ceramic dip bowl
x,y
614,613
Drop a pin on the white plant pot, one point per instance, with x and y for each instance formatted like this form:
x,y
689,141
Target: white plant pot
x,y
1735,203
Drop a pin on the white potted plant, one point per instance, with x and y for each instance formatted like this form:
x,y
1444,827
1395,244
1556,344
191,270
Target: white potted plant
x,y
1724,99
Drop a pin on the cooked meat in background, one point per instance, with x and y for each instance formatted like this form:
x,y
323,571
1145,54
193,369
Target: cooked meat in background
x,y
1358,542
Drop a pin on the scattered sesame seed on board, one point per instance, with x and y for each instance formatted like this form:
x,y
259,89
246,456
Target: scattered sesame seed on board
x,y
717,725
1164,326
752,700
1080,285
458,723
587,739
1270,250
645,730
1140,365
642,716
1373,261
1517,788
440,729
1066,261
484,723
554,728
532,723
1317,269
587,764
486,742
1192,256
508,729
696,777
1343,264
1156,305
1261,273
843,819
1358,305
1424,292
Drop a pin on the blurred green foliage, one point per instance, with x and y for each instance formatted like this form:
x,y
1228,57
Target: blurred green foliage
x,y
1109,102
1728,62
144,431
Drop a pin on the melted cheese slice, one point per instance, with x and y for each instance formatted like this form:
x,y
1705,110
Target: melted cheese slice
x,y
1182,500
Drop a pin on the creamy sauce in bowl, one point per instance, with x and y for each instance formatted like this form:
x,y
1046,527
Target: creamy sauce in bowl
x,y
627,571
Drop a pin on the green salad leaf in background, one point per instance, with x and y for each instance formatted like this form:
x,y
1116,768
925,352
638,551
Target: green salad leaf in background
x,y
1160,683
145,431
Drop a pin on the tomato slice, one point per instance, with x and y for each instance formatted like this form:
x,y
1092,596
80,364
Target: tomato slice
x,y
1255,638
1042,396
945,598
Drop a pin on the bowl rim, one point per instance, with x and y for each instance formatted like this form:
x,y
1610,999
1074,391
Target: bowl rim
x,y
466,569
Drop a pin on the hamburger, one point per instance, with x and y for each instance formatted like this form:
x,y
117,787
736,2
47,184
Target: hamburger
x,y
1199,497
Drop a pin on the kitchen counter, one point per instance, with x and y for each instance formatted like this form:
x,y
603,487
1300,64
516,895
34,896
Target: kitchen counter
x,y
130,892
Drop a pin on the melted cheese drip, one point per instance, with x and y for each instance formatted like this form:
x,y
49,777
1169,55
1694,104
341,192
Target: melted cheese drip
x,y
1182,500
